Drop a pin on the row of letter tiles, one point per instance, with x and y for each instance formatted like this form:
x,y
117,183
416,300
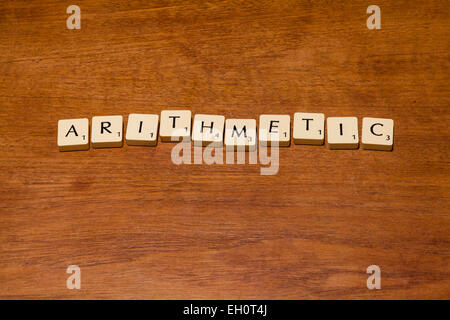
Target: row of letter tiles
x,y
213,130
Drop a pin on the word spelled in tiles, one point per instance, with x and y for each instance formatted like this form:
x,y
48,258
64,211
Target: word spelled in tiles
x,y
236,134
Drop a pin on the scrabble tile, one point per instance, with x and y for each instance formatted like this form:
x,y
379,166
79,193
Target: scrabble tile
x,y
275,128
175,125
107,132
73,134
377,134
342,132
142,129
208,130
309,128
240,134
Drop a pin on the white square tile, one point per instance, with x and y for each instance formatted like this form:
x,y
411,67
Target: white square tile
x,y
142,129
275,128
73,134
309,128
240,134
342,132
175,125
377,134
107,132
208,130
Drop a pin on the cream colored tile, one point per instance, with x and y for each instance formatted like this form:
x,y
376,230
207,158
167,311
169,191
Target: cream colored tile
x,y
175,125
275,128
208,130
309,128
342,132
107,132
240,134
73,134
377,134
142,129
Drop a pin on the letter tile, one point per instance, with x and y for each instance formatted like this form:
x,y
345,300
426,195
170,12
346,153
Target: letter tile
x,y
208,130
175,125
73,134
309,128
342,132
377,134
240,134
275,128
142,129
107,132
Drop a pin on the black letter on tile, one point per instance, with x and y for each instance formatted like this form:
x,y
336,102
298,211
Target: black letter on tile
x,y
174,118
371,129
70,130
210,128
307,123
244,129
108,124
272,126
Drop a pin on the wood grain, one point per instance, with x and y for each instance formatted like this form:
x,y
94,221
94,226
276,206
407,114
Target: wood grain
x,y
141,227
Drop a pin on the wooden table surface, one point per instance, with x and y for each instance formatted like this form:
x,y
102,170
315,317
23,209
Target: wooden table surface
x,y
142,227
